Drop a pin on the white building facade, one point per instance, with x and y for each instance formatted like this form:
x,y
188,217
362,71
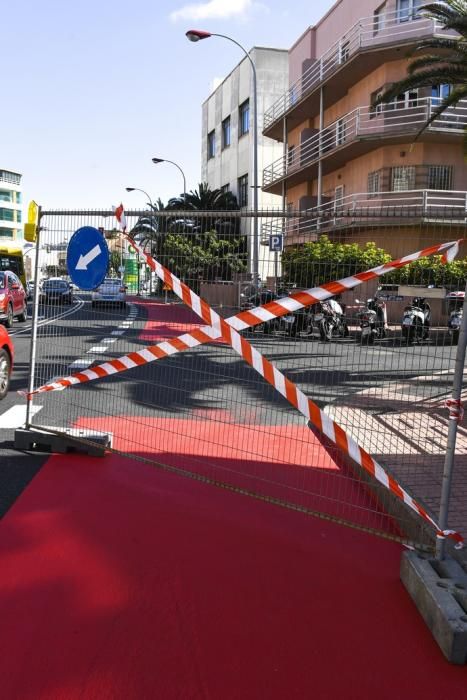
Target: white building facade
x,y
227,135
10,205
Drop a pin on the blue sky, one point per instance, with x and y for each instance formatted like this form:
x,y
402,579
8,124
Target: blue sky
x,y
92,90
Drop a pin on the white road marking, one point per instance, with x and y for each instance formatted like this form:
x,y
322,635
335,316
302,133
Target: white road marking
x,y
15,416
81,363
117,332
98,348
109,340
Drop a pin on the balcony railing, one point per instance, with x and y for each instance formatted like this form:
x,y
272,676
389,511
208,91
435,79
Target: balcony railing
x,y
398,26
369,208
397,118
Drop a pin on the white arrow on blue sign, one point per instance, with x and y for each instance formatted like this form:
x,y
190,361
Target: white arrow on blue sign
x,y
87,258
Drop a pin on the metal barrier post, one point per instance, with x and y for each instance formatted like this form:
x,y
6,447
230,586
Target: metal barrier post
x,y
452,432
35,319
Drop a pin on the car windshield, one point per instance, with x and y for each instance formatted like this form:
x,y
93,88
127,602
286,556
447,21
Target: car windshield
x,y
55,284
2,280
111,281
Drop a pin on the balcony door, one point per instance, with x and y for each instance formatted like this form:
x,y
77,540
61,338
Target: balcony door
x,y
409,9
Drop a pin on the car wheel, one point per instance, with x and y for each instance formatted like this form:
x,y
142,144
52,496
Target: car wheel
x,y
22,317
9,317
5,371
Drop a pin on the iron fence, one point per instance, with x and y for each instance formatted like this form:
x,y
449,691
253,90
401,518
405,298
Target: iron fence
x,y
203,411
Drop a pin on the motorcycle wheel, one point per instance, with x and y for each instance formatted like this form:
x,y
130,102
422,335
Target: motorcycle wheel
x,y
408,333
325,331
346,331
455,337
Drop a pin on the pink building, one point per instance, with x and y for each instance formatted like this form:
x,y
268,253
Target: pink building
x,y
340,154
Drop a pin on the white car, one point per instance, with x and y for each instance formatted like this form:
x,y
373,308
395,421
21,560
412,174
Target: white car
x,y
111,291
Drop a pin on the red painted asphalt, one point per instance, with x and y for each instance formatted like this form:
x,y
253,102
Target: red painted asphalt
x,y
120,581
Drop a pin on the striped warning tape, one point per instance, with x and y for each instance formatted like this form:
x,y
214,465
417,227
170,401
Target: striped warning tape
x,y
219,328
241,321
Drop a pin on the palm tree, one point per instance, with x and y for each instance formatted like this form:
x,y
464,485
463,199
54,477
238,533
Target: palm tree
x,y
206,199
447,66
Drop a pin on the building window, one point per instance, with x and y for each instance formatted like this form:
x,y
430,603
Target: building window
x,y
226,133
244,118
408,9
402,178
225,188
18,198
340,132
339,197
378,18
7,214
7,176
405,100
243,191
374,182
6,232
211,144
439,93
379,108
6,196
440,177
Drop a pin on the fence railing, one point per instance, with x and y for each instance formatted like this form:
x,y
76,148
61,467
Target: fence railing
x,y
368,207
385,121
380,30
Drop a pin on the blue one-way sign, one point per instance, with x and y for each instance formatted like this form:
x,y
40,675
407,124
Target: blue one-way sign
x,y
87,258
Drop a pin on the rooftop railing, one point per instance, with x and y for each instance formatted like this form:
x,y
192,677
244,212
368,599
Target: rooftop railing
x,y
404,117
379,30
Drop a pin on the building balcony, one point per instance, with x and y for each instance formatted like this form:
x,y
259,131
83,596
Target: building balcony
x,y
371,42
361,131
370,209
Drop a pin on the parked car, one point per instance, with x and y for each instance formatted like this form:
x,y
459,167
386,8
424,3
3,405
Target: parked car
x,y
30,289
56,291
111,291
12,299
6,361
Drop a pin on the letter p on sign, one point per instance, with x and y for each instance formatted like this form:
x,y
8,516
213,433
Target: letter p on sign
x,y
275,243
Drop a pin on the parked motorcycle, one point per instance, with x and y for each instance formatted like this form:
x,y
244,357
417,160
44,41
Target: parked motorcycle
x,y
455,302
416,320
329,317
373,320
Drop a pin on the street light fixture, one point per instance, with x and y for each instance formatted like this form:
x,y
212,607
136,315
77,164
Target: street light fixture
x,y
156,161
138,189
196,35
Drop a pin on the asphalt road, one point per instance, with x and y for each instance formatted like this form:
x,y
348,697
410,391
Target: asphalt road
x,y
202,381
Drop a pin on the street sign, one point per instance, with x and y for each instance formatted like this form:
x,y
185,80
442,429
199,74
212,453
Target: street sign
x,y
87,258
275,243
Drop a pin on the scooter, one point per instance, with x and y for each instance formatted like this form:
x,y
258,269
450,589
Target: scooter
x,y
455,310
416,320
329,317
373,320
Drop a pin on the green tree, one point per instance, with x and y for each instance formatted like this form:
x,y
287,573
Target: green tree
x,y
311,264
442,61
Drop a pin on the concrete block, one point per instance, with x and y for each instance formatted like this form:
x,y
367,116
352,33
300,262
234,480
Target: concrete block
x,y
52,439
439,590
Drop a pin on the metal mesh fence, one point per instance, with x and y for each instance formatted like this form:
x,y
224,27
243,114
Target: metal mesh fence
x,y
208,414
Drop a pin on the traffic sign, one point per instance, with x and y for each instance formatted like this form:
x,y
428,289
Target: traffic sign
x,y
275,243
87,258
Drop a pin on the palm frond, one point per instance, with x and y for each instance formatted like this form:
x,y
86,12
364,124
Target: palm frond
x,y
422,79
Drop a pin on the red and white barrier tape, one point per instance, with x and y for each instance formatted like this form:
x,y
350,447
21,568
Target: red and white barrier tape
x,y
456,409
219,328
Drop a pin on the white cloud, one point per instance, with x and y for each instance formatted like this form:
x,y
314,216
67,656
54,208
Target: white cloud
x,y
213,9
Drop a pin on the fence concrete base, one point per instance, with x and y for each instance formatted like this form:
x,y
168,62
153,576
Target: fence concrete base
x,y
48,438
439,590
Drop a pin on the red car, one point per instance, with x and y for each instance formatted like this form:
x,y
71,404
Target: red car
x,y
12,299
6,361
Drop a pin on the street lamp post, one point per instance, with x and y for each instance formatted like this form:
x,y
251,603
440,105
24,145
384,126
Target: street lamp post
x,y
164,160
197,35
138,189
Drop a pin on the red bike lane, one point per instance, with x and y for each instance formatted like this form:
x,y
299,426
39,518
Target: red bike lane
x,y
120,580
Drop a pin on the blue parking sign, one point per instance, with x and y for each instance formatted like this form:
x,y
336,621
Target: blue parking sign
x,y
275,243
87,258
